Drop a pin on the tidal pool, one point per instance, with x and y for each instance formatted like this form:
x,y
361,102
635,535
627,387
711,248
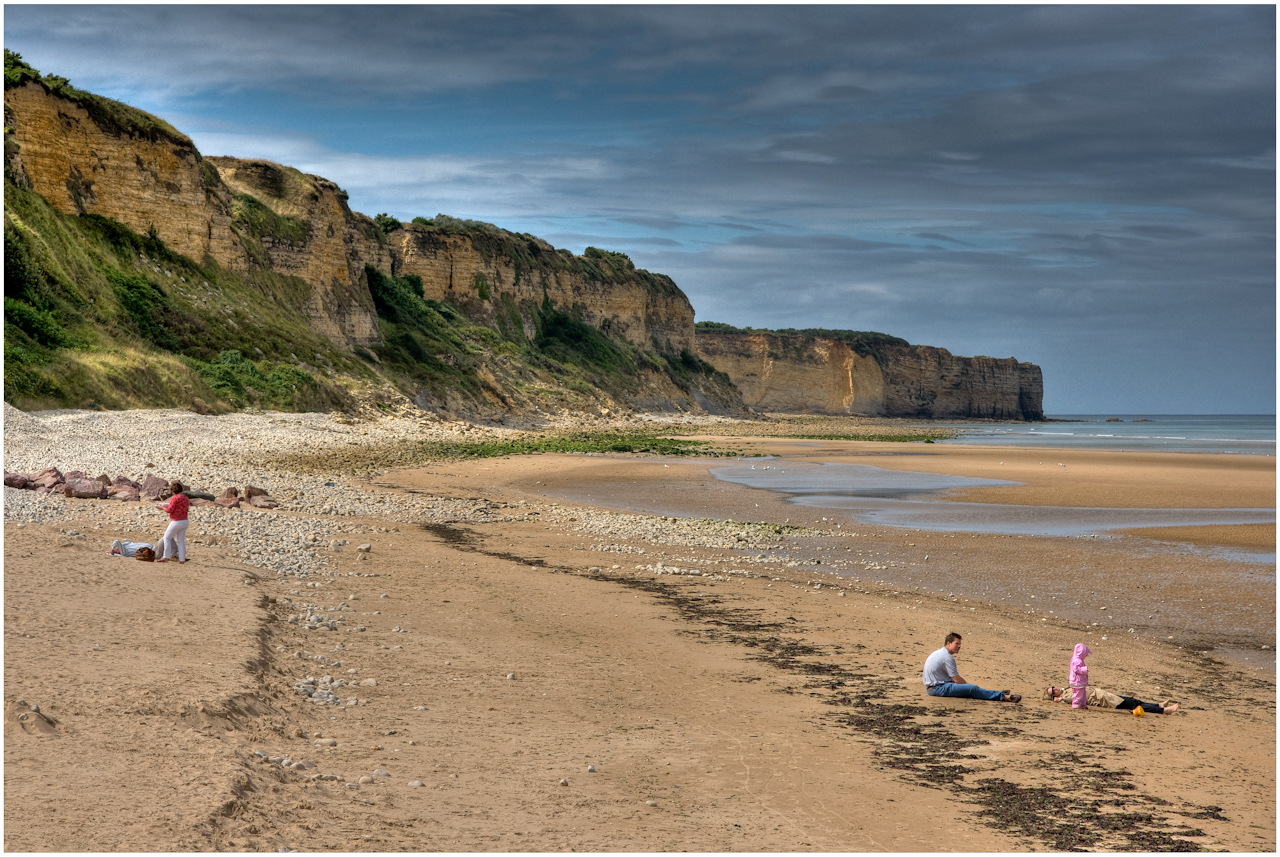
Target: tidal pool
x,y
875,495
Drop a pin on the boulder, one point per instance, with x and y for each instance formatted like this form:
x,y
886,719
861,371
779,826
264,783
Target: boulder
x,y
46,478
85,489
16,480
262,501
199,502
125,480
228,492
74,474
155,488
251,491
227,502
104,479
124,492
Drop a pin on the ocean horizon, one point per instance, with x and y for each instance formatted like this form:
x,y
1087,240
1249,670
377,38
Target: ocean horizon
x,y
1239,434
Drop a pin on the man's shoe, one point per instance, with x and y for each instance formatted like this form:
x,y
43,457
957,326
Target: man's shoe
x,y
1015,697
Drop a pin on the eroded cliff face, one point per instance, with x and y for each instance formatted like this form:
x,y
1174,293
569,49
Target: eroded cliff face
x,y
247,214
315,237
268,222
82,168
786,375
792,374
650,312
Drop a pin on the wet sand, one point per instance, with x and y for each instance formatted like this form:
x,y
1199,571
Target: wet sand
x,y
1164,583
731,693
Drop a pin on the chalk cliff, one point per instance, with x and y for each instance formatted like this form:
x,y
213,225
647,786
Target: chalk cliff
x,y
805,374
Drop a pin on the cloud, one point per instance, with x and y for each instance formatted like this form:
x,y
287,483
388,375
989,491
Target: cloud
x,y
1055,182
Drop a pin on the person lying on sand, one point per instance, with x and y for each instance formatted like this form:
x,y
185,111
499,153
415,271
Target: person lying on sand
x,y
1099,698
124,548
942,678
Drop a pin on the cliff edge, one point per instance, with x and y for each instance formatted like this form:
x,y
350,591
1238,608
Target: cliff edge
x,y
870,375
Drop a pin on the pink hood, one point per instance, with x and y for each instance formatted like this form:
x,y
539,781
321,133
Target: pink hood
x,y
1079,674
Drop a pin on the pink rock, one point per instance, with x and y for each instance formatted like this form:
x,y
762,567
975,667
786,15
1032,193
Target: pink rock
x,y
228,502
200,501
123,492
16,480
46,478
261,501
85,489
228,493
155,488
251,491
125,480
74,474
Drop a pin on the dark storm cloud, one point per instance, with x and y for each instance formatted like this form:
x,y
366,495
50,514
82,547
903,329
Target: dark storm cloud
x,y
1087,187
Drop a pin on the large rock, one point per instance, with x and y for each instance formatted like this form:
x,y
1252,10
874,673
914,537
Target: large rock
x,y
261,501
46,479
155,488
16,480
85,489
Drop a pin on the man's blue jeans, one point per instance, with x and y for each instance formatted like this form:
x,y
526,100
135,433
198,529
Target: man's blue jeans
x,y
968,691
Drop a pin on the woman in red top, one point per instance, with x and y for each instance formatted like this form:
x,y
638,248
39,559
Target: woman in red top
x,y
175,538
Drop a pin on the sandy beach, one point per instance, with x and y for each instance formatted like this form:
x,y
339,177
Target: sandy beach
x,y
552,652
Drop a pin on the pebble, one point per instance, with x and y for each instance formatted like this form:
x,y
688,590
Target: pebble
x,y
564,782
591,769
511,676
651,803
364,781
416,783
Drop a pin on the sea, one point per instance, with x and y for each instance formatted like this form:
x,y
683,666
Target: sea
x,y
1237,434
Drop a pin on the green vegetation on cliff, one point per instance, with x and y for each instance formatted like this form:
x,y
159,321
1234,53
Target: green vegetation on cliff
x,y
866,343
98,315
111,116
533,257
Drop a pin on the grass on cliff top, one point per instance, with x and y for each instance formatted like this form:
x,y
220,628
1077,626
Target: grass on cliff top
x,y
865,343
530,256
111,116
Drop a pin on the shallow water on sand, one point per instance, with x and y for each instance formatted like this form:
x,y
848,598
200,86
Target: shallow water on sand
x,y
1198,595
894,498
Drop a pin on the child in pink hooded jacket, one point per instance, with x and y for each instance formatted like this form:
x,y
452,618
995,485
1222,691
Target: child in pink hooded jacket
x,y
1078,677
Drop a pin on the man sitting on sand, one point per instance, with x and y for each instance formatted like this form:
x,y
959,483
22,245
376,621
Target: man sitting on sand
x,y
1099,698
941,678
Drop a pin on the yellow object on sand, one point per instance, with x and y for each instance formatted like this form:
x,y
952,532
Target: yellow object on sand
x,y
1137,711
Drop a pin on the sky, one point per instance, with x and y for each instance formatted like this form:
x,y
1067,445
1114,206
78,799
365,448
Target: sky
x,y
1088,188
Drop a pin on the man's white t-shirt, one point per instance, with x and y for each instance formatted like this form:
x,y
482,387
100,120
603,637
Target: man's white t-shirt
x,y
939,667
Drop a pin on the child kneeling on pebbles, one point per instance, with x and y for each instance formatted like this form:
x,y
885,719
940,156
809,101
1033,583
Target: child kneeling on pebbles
x,y
175,537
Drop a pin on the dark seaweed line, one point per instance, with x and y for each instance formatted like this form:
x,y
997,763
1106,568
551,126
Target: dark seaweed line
x,y
928,755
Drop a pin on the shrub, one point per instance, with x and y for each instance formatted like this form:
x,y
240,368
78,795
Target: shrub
x,y
38,324
387,223
144,308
